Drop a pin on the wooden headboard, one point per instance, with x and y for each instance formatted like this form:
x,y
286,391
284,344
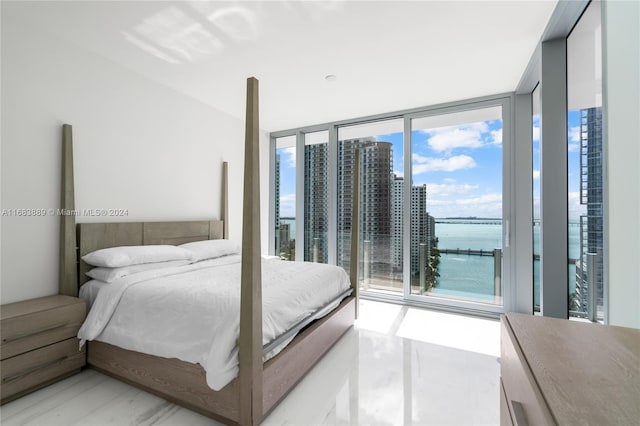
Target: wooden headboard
x,y
95,236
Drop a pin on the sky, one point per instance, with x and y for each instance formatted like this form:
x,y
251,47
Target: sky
x,y
461,166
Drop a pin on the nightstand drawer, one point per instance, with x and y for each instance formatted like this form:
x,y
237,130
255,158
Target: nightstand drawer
x,y
39,367
33,329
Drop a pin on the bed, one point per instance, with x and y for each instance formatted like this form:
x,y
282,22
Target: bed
x,y
248,397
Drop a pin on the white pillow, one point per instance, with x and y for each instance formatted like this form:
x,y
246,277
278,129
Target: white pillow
x,y
111,274
115,257
209,249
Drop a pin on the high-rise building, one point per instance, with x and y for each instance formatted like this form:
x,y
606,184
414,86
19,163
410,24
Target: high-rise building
x,y
397,222
590,266
316,202
419,227
422,226
277,213
375,203
381,209
287,248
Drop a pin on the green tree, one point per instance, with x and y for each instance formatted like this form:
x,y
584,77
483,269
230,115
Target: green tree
x,y
432,266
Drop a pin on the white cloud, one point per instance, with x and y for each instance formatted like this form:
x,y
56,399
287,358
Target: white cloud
x,y
536,134
496,136
574,134
398,173
417,158
423,164
536,174
442,189
573,147
449,180
290,156
482,199
482,205
473,135
449,138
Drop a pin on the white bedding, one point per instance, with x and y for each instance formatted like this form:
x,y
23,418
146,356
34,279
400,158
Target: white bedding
x,y
192,312
89,291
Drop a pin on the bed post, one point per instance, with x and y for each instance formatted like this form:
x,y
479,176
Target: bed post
x,y
68,273
224,215
250,345
354,261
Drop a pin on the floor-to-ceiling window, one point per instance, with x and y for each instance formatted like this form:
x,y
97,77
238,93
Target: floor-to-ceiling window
x,y
316,196
456,204
564,84
431,201
285,197
535,152
380,147
585,166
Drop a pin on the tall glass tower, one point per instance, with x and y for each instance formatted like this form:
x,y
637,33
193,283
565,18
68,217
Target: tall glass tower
x,y
590,268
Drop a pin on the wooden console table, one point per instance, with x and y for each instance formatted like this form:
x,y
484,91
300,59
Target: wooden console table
x,y
560,372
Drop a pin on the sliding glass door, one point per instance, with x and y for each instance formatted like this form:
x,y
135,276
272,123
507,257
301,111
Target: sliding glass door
x,y
456,206
432,197
380,147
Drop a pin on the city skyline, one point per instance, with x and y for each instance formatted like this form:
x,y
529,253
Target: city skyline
x,y
381,208
456,163
458,166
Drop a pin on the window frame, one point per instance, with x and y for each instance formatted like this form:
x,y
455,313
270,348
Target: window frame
x,y
505,100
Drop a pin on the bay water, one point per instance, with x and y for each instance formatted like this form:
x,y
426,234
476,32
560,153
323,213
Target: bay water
x,y
472,276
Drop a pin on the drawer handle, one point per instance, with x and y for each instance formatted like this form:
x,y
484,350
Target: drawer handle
x,y
33,333
34,369
518,413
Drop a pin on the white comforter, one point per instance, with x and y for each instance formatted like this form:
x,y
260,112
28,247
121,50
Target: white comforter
x,y
192,312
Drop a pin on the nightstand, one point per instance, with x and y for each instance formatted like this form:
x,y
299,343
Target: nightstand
x,y
39,344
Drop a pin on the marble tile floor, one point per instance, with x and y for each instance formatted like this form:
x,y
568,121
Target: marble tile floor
x,y
399,366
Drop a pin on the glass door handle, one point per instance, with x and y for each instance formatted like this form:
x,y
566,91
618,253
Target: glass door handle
x,y
507,234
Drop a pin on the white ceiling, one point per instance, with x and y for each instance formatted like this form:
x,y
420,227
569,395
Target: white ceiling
x,y
387,55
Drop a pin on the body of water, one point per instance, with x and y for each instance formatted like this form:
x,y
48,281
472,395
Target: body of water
x,y
470,276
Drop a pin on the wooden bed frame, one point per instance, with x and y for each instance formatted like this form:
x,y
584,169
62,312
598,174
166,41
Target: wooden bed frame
x,y
251,396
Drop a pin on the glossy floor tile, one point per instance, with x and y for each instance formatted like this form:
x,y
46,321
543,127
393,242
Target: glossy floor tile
x,y
402,366
398,366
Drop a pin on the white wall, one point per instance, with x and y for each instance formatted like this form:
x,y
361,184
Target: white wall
x,y
621,57
138,146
